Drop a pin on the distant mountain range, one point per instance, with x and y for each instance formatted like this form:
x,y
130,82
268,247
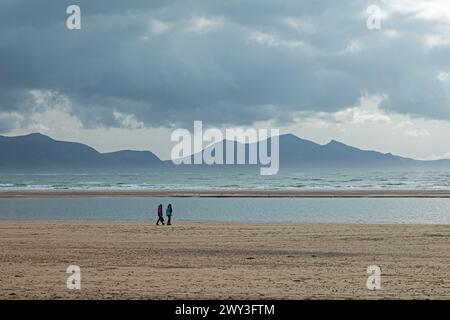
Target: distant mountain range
x,y
38,152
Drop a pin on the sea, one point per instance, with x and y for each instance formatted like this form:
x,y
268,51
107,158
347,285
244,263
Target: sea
x,y
304,210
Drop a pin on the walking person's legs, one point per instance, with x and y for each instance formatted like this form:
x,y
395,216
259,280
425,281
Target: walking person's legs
x,y
160,219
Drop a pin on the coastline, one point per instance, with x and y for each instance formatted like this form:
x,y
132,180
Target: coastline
x,y
229,193
213,260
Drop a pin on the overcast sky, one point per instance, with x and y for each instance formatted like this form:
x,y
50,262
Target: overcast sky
x,y
139,69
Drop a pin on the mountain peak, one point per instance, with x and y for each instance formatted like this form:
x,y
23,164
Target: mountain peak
x,y
336,143
289,136
292,138
36,135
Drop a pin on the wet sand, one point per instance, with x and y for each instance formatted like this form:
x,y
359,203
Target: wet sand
x,y
230,193
136,260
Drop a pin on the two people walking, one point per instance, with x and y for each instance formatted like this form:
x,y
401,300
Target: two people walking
x,y
169,211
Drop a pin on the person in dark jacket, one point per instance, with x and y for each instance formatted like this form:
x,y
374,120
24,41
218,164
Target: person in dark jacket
x,y
169,211
160,215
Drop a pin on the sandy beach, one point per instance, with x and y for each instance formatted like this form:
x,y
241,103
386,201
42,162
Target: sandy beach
x,y
230,193
137,260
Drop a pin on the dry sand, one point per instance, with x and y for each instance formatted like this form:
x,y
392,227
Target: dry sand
x,y
222,260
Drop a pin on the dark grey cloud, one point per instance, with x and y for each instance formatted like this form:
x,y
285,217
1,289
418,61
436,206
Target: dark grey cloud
x,y
170,62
